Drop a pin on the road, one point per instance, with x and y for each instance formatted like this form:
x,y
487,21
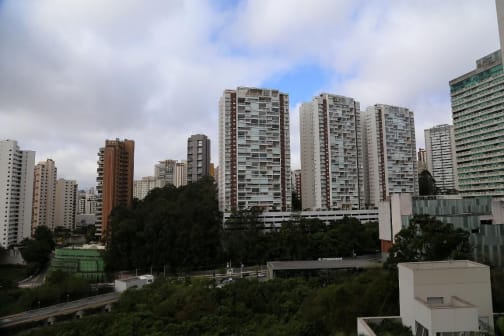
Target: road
x,y
58,309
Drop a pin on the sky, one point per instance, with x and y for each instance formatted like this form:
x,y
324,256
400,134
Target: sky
x,y
74,73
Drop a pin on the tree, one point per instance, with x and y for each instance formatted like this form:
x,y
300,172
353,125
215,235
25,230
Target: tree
x,y
426,183
174,227
37,251
427,238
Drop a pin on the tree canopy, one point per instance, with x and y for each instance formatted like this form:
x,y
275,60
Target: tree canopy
x,y
37,251
174,227
427,238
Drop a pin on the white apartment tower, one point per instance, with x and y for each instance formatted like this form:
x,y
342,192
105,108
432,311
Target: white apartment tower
x,y
254,148
441,162
16,193
389,142
142,187
331,153
180,178
44,194
66,194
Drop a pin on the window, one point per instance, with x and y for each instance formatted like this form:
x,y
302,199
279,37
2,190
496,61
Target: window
x,y
435,300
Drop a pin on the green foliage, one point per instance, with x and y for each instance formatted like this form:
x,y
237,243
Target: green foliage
x,y
426,183
36,252
245,240
10,275
244,307
427,238
174,227
59,287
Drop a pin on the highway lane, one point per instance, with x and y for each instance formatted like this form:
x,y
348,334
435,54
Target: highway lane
x,y
58,309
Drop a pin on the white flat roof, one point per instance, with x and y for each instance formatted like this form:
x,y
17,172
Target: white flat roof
x,y
429,265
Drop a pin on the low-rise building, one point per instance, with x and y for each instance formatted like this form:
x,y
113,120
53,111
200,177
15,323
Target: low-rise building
x,y
482,217
274,219
441,298
121,285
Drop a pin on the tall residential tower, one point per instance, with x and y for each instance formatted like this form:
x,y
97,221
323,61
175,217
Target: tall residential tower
x,y
254,150
441,163
331,153
198,157
44,195
66,203
390,145
114,181
16,192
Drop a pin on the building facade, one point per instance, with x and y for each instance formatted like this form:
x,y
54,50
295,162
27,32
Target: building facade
x,y
331,153
44,195
114,180
198,157
422,160
16,192
180,178
296,182
66,203
482,217
452,297
390,146
142,187
477,100
254,149
441,162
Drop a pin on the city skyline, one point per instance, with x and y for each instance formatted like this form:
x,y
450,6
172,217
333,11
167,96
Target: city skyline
x,y
90,72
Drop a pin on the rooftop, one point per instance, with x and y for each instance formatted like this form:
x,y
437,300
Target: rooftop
x,y
432,265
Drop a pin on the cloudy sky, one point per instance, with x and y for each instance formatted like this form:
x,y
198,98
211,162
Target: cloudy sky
x,y
76,72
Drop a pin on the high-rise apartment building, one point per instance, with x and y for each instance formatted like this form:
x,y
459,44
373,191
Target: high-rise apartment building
x,y
296,182
477,100
254,149
441,163
390,145
16,192
171,172
165,172
331,153
114,180
180,178
198,157
422,160
142,187
86,201
66,202
44,194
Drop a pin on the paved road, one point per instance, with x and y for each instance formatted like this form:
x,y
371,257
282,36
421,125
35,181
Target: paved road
x,y
58,309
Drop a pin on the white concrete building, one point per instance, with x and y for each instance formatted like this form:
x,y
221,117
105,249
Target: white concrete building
x,y
121,285
180,178
66,194
274,219
331,153
254,149
44,194
441,160
16,192
445,296
390,162
441,298
171,172
142,187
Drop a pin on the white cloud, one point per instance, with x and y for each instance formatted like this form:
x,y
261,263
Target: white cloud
x,y
75,73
